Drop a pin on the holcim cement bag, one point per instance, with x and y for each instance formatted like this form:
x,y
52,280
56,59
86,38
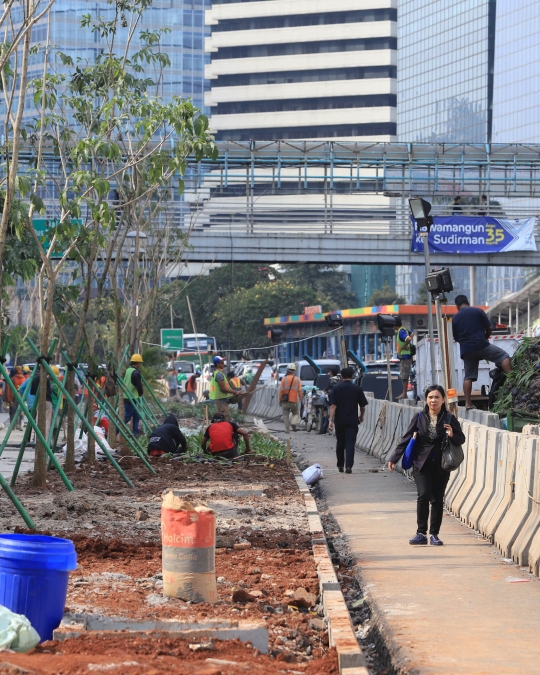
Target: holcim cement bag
x,y
188,535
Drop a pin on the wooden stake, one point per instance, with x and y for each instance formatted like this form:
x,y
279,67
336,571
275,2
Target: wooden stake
x,y
206,414
288,451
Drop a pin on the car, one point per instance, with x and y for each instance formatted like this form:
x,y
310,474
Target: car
x,y
242,368
307,373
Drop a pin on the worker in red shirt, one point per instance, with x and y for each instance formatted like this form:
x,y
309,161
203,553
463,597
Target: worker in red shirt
x,y
223,438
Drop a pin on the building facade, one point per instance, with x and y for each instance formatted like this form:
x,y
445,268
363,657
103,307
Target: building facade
x,y
516,91
446,54
302,69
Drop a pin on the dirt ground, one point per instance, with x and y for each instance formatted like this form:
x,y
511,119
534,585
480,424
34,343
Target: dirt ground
x,y
116,531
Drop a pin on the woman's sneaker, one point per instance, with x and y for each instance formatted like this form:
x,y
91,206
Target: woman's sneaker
x,y
418,540
435,541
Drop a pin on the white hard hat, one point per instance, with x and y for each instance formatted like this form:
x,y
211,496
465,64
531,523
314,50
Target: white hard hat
x,y
292,367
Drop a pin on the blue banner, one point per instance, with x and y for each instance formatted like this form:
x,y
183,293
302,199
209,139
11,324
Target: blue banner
x,y
479,234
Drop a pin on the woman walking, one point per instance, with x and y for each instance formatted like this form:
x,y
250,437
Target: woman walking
x,y
431,479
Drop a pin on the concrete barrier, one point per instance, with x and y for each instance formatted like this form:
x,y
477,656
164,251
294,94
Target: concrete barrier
x,y
470,473
520,509
487,495
505,484
480,474
523,542
458,477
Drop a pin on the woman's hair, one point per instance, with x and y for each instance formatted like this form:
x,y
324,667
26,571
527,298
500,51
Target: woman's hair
x,y
434,387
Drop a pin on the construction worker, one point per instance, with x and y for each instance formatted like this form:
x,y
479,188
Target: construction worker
x,y
220,389
134,391
17,378
26,372
167,438
191,387
236,384
405,355
290,395
223,438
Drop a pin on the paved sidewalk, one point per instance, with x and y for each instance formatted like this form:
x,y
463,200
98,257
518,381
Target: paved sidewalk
x,y
9,456
447,610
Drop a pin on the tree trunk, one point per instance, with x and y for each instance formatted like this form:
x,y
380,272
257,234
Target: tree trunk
x,y
40,458
70,415
91,452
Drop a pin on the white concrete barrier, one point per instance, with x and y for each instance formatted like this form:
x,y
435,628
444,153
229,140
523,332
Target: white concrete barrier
x,y
516,516
487,495
480,474
470,472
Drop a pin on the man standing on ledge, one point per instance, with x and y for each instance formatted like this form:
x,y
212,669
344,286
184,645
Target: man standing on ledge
x,y
345,399
220,389
472,328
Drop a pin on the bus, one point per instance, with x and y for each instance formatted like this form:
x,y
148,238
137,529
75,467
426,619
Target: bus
x,y
197,345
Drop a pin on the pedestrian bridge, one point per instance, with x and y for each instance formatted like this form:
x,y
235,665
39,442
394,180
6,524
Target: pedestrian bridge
x,y
346,201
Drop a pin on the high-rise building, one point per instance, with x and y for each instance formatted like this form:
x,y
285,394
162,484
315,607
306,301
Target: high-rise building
x,y
184,44
462,65
302,69
516,90
446,53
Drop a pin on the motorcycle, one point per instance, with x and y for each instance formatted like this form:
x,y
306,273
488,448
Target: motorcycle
x,y
321,407
307,412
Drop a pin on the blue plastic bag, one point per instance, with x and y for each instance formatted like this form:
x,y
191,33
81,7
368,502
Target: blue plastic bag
x,y
408,456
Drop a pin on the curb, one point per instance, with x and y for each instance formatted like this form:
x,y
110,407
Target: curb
x,y
341,634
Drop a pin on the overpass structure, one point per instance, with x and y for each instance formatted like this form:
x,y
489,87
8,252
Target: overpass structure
x,y
346,201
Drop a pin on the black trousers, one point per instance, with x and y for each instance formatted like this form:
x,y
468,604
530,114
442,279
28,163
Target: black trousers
x,y
431,482
345,442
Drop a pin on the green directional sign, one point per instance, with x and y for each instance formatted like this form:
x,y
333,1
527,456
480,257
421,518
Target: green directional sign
x,y
172,339
42,226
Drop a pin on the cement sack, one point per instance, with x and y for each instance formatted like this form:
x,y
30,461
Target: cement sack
x,y
188,535
312,474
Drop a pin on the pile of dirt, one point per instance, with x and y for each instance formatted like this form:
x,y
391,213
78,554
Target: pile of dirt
x,y
127,655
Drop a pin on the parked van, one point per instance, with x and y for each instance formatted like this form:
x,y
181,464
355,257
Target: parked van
x,y
307,373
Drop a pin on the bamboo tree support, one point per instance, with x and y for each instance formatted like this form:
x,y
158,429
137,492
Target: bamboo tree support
x,y
32,422
115,418
69,366
154,397
84,421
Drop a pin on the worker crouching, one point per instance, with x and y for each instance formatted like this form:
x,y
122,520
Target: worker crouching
x,y
167,438
221,438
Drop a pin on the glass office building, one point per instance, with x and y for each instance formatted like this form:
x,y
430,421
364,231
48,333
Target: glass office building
x,y
445,70
516,91
184,44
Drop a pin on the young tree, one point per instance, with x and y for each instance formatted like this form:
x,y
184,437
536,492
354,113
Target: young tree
x,y
119,151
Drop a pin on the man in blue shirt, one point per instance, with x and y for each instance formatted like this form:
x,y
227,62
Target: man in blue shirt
x,y
472,328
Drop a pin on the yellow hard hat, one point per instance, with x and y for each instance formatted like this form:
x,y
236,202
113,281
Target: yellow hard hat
x,y
56,370
136,358
25,369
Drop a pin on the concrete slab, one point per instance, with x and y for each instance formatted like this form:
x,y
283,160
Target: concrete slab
x,y
255,632
446,610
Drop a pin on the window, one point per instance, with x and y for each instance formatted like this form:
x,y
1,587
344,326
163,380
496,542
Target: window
x,y
286,133
322,103
318,75
291,49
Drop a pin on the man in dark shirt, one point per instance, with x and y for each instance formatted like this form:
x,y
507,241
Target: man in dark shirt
x,y
472,328
345,399
167,438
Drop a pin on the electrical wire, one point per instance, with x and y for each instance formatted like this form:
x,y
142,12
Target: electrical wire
x,y
250,349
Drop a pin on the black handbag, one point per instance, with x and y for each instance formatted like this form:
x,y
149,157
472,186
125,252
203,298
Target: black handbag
x,y
452,455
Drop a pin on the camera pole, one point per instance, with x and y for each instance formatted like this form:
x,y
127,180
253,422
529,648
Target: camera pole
x,y
387,342
425,235
441,330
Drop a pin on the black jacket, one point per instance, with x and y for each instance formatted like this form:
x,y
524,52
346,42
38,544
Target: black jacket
x,y
168,437
424,445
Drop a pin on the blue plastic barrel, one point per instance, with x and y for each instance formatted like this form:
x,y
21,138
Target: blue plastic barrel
x,y
34,571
